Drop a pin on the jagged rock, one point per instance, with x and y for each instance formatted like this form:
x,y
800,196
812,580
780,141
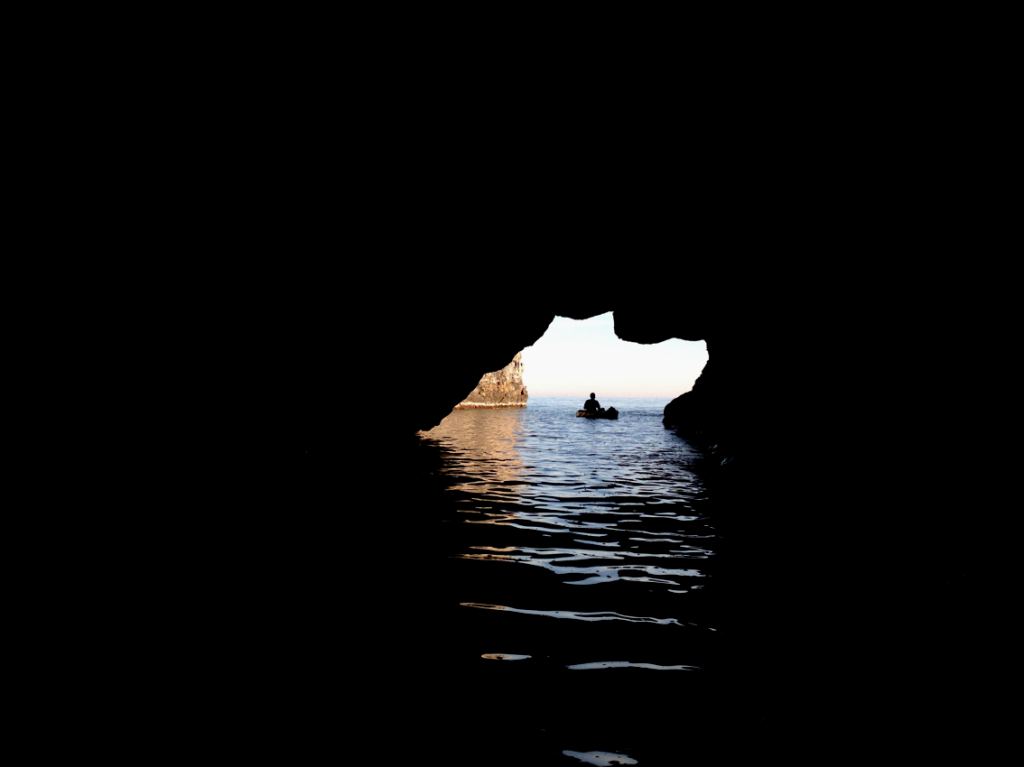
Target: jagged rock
x,y
502,388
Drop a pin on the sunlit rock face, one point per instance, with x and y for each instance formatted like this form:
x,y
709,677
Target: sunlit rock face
x,y
502,388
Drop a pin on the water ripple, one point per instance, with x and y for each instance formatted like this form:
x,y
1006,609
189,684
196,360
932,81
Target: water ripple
x,y
627,664
578,616
617,504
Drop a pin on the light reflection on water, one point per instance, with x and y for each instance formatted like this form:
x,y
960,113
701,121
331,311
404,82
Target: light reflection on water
x,y
581,503
600,758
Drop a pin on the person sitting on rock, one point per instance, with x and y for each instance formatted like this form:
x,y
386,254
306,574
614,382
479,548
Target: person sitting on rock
x,y
592,405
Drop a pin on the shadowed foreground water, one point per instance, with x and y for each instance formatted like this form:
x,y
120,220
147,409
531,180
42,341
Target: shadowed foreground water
x,y
571,572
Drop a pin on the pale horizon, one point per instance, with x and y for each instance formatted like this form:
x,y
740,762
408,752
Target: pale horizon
x,y
576,357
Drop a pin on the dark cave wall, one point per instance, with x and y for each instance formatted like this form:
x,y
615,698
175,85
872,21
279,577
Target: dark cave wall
x,y
311,362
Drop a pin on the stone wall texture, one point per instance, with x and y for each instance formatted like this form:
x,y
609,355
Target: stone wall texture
x,y
502,388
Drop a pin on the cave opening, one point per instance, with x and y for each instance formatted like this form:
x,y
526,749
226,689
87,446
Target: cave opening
x,y
575,357
575,555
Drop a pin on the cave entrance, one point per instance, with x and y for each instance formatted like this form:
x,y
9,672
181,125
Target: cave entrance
x,y
576,357
575,554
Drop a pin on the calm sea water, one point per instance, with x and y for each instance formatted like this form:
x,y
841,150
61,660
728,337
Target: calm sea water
x,y
572,573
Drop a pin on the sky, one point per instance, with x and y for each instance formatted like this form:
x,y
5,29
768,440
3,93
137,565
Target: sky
x,y
576,357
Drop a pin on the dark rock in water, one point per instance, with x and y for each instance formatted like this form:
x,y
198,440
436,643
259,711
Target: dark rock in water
x,y
502,388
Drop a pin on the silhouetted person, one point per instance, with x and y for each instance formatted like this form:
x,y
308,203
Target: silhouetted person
x,y
592,405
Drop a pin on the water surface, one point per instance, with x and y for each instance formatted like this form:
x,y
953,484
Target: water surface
x,y
575,559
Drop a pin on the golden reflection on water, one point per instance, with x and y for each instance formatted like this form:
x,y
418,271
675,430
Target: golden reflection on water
x,y
490,438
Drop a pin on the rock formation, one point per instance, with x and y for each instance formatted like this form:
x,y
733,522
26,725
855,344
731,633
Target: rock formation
x,y
502,388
